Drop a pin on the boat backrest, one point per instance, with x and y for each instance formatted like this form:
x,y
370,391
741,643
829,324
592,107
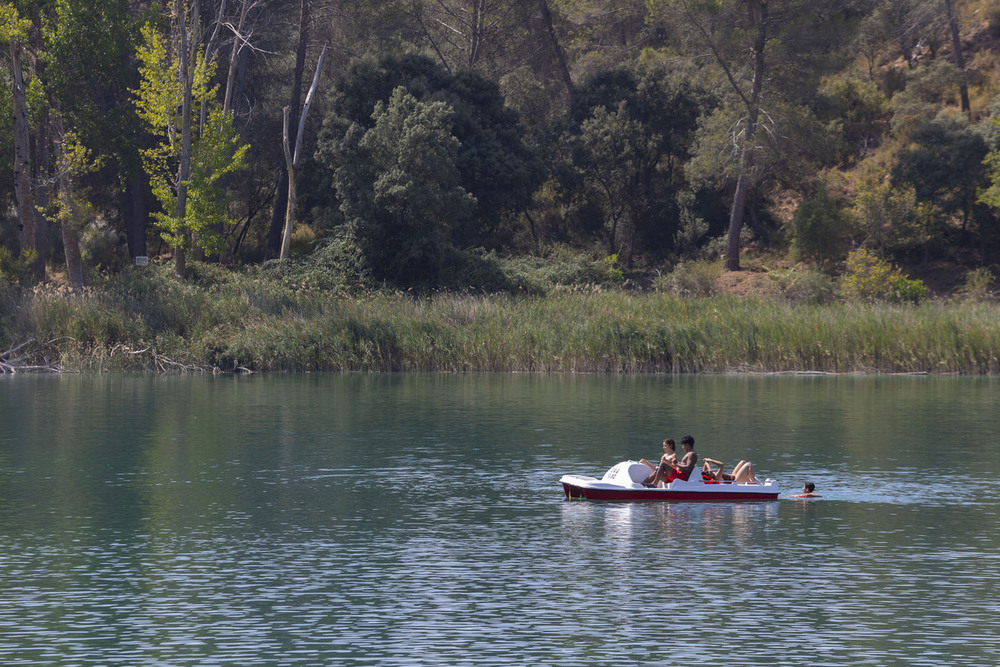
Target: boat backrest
x,y
638,472
627,471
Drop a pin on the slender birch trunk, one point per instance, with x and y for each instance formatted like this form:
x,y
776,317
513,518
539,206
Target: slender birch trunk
x,y
185,74
292,159
279,213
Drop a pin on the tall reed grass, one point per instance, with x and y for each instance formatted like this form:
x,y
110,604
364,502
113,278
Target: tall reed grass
x,y
142,322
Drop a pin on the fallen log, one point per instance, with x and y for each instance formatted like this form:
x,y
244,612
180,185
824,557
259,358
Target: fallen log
x,y
29,356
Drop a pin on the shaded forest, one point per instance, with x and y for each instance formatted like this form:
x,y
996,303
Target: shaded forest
x,y
420,143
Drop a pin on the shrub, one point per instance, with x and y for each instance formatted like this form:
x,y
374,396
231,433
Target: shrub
x,y
612,270
476,270
870,278
908,290
696,278
805,286
335,265
14,269
978,285
563,268
103,247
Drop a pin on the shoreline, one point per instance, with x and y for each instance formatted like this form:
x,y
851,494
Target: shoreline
x,y
263,328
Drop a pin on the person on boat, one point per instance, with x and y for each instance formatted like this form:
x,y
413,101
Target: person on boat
x,y
743,473
808,491
669,454
670,470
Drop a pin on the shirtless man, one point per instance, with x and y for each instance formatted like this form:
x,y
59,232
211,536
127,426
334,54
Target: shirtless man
x,y
668,470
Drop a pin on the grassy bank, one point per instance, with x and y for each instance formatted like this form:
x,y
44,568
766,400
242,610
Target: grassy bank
x,y
146,321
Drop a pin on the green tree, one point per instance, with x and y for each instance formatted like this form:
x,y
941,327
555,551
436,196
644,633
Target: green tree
x,y
886,215
911,24
72,206
604,34
6,147
614,150
631,131
495,165
989,195
860,112
197,146
927,90
400,188
763,52
945,166
89,70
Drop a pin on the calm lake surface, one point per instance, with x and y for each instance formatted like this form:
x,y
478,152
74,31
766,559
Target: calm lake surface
x,y
418,520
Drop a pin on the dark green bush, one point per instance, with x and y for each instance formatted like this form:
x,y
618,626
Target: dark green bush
x,y
818,229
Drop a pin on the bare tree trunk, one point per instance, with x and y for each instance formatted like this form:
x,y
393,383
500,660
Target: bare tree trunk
x,y
66,167
292,160
70,232
135,212
279,213
550,31
291,169
239,41
22,163
743,180
43,160
732,256
956,41
74,259
534,232
476,30
184,169
43,190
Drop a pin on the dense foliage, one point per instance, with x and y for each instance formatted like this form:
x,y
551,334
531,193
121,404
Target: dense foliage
x,y
445,135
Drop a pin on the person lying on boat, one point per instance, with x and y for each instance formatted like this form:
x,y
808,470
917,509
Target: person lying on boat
x,y
669,470
808,491
669,454
743,473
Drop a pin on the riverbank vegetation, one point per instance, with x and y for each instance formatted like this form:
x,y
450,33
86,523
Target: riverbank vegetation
x,y
457,167
266,320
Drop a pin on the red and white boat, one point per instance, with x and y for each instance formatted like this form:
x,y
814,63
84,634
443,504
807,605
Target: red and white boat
x,y
624,483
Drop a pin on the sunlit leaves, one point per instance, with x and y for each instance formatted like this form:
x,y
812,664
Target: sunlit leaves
x,y
12,26
216,147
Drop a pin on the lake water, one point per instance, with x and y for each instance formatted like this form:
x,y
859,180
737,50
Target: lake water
x,y
418,520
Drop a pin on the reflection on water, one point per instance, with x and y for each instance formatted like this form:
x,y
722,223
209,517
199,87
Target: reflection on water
x,y
380,520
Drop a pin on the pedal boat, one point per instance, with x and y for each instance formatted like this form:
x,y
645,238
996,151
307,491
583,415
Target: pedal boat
x,y
623,483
